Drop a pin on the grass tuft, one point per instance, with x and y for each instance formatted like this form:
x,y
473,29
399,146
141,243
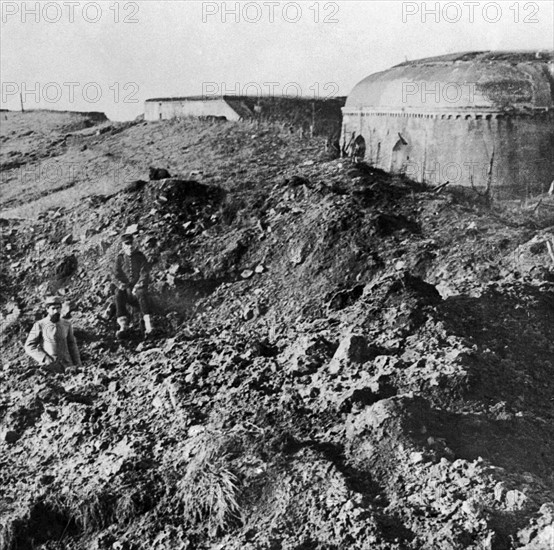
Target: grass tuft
x,y
209,490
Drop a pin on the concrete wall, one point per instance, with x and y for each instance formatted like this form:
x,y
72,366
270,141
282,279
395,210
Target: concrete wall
x,y
436,148
164,110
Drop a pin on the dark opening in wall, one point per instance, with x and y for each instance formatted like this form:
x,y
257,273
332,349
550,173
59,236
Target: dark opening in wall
x,y
399,157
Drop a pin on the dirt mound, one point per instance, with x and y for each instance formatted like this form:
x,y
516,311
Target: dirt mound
x,y
343,359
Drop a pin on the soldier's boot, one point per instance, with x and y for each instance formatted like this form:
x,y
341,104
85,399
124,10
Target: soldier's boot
x,y
123,330
148,325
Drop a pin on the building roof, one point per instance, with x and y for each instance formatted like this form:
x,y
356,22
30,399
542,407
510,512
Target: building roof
x,y
186,98
469,81
242,98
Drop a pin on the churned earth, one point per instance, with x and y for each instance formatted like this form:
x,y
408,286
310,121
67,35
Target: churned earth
x,y
343,358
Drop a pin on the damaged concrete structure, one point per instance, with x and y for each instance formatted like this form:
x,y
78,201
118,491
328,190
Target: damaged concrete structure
x,y
315,116
477,119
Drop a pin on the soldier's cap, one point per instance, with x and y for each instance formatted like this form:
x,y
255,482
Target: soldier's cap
x,y
52,301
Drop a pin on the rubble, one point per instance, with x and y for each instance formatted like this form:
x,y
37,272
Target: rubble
x,y
361,376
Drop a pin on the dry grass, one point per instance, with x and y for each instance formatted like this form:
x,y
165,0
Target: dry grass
x,y
209,490
60,516
7,536
91,510
126,508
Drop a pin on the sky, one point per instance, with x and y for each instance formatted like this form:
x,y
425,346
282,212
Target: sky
x,y
111,56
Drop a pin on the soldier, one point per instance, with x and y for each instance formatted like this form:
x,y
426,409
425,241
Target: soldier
x,y
358,150
131,271
51,341
347,147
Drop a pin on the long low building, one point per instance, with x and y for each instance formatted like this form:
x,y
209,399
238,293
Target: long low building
x,y
166,108
481,119
321,116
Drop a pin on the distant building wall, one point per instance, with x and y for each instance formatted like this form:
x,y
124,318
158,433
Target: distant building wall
x,y
167,109
312,116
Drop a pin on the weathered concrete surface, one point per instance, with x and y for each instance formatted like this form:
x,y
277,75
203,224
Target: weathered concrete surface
x,y
479,119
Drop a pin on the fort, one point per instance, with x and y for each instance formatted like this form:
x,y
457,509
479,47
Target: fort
x,y
478,119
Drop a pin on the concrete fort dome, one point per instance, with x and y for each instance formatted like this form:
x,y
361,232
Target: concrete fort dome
x,y
482,119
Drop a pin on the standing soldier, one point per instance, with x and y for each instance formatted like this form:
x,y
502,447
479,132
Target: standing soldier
x,y
347,147
51,341
358,150
131,271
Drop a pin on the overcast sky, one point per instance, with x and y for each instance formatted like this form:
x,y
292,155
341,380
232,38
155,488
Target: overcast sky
x,y
111,56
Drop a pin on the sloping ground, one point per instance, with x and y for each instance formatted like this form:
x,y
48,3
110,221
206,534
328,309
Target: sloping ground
x,y
70,166
344,360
